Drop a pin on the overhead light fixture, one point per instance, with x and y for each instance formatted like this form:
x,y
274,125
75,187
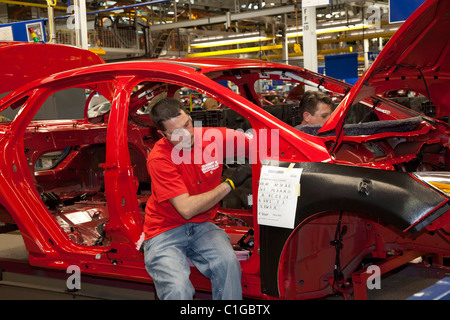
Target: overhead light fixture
x,y
217,41
230,40
330,30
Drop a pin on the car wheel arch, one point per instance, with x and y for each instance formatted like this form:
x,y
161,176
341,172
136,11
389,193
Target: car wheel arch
x,y
309,252
349,189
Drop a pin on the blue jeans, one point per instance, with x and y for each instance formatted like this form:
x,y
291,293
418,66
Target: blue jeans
x,y
209,249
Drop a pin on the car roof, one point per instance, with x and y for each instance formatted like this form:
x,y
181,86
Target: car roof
x,y
184,67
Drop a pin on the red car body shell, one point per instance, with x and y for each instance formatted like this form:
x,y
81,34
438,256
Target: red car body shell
x,y
297,266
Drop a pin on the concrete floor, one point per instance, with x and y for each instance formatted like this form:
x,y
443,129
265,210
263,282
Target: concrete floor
x,y
398,285
12,246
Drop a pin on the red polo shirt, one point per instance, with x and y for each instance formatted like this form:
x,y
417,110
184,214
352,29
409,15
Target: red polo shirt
x,y
174,172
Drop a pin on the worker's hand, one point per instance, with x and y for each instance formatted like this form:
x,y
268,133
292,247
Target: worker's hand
x,y
241,174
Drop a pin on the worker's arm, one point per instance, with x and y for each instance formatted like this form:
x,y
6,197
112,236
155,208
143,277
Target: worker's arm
x,y
189,206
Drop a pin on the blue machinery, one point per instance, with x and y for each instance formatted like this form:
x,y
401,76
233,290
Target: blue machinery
x,y
28,31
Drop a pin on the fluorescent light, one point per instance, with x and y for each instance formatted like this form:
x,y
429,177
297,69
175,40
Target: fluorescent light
x,y
330,30
229,41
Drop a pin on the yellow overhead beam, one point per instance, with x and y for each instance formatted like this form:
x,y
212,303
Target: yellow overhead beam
x,y
234,51
230,41
31,4
262,48
260,39
358,37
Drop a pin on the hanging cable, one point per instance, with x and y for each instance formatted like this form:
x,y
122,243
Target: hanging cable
x,y
50,6
424,82
338,245
297,48
296,19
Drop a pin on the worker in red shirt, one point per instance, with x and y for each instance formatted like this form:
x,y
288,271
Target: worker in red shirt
x,y
186,189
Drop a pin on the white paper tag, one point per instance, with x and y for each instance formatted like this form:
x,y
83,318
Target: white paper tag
x,y
278,193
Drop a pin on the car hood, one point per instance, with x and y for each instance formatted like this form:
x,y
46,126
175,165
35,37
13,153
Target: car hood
x,y
23,62
416,58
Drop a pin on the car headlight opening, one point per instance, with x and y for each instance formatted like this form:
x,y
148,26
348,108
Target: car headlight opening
x,y
437,180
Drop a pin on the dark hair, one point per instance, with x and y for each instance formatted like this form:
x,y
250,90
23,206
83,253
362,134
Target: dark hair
x,y
311,99
164,110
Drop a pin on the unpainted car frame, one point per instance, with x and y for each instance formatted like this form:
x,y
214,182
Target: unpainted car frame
x,y
361,200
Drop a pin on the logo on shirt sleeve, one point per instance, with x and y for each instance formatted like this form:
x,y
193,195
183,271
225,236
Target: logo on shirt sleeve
x,y
211,166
